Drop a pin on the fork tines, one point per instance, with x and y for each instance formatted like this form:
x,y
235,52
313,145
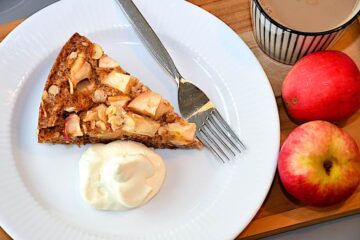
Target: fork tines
x,y
219,138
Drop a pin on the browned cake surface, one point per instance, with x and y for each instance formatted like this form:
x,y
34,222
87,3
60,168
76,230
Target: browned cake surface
x,y
89,98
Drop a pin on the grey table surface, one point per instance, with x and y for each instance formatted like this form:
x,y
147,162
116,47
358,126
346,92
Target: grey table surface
x,y
347,228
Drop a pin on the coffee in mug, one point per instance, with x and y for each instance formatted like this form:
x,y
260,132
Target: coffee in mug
x,y
311,15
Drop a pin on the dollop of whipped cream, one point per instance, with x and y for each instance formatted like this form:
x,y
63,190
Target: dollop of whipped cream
x,y
120,175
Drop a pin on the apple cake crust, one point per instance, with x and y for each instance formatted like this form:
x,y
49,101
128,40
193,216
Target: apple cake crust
x,y
89,98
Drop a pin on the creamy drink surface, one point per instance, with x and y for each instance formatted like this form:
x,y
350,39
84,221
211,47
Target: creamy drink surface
x,y
311,15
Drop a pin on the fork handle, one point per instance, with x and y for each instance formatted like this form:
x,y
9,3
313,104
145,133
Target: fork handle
x,y
149,38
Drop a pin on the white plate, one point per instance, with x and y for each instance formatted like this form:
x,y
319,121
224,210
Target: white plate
x,y
200,199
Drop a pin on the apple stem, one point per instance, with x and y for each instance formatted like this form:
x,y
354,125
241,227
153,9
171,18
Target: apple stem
x,y
327,165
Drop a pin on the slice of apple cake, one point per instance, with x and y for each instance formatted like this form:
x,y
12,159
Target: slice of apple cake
x,y
89,98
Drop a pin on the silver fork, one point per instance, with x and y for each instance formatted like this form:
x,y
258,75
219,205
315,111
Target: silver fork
x,y
195,106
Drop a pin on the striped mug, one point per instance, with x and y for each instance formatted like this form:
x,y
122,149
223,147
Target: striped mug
x,y
287,45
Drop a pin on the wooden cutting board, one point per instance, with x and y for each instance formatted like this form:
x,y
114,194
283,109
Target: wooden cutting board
x,y
279,212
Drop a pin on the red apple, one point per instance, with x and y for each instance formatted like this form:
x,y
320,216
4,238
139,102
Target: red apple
x,y
322,86
319,164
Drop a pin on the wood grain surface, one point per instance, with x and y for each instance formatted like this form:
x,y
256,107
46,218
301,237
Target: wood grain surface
x,y
279,212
